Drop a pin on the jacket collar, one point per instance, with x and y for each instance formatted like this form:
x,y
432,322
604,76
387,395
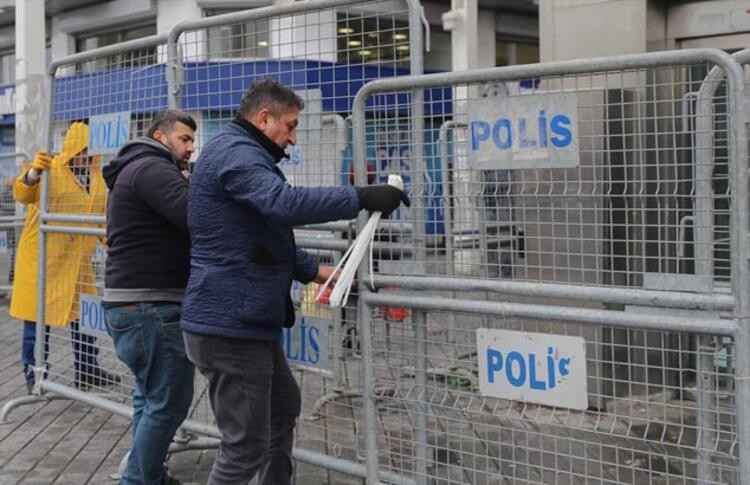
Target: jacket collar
x,y
275,150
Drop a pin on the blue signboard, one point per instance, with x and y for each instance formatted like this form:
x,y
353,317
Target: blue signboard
x,y
108,132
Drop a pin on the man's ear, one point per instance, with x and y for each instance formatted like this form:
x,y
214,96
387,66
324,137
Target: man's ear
x,y
261,118
160,136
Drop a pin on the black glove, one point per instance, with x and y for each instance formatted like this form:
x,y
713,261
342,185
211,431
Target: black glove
x,y
381,198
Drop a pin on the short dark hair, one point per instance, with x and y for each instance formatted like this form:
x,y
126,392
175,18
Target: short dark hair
x,y
271,94
165,121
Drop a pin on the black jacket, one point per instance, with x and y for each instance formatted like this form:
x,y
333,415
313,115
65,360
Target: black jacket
x,y
149,246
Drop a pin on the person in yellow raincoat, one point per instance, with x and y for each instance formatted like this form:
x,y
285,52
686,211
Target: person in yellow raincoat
x,y
75,186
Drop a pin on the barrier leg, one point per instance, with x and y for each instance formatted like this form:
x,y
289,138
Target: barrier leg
x,y
420,407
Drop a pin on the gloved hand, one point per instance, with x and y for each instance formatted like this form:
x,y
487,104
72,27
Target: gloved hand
x,y
381,198
42,161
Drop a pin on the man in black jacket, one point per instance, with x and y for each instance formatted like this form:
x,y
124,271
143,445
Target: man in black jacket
x,y
148,264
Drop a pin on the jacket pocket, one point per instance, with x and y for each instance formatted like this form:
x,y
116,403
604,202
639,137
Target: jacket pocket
x,y
264,298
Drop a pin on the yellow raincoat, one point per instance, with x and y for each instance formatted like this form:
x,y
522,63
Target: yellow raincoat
x,y
69,268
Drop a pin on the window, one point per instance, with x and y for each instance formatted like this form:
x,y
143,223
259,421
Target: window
x,y
509,53
7,67
439,58
93,40
372,39
243,40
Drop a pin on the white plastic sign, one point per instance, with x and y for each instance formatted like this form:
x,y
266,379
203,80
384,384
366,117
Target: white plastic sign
x,y
525,131
533,367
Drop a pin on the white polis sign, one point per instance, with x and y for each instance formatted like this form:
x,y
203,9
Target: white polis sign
x,y
525,131
92,316
306,343
108,133
533,367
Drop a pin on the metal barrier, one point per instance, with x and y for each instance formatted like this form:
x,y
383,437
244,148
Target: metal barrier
x,y
326,50
11,217
632,251
598,167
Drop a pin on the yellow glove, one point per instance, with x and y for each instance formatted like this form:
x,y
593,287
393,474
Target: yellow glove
x,y
42,161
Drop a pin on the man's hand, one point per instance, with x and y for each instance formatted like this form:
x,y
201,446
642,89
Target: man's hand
x,y
42,161
381,198
324,272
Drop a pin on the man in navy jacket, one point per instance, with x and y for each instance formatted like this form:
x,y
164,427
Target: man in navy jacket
x,y
148,264
241,212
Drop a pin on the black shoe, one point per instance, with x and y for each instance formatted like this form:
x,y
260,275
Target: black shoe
x,y
170,480
29,388
98,378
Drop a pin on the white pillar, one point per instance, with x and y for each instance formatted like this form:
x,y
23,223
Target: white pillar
x,y
462,22
171,12
30,73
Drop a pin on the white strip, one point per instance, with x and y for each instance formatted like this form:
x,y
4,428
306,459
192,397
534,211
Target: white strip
x,y
353,256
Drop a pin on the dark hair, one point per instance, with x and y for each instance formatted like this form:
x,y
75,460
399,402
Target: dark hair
x,y
165,121
271,94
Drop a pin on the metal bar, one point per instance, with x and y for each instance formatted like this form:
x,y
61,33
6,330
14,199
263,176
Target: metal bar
x,y
372,455
41,283
526,71
418,162
655,298
22,401
740,245
260,13
174,85
142,43
711,326
86,231
313,458
707,403
345,226
419,321
342,245
76,218
15,155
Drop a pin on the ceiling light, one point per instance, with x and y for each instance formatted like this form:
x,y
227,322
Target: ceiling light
x,y
402,48
263,43
400,36
365,53
355,43
346,30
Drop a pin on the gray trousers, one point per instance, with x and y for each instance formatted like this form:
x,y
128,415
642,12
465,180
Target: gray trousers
x,y
255,401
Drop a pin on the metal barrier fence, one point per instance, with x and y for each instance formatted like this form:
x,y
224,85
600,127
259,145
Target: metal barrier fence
x,y
587,221
11,217
326,50
634,251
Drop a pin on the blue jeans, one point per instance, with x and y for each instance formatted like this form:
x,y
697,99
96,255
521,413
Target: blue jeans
x,y
148,340
84,351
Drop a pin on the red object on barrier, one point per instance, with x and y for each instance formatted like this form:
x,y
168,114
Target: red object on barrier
x,y
394,314
325,297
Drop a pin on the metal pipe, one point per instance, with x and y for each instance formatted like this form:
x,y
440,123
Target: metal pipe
x,y
86,231
419,321
313,458
75,218
41,283
623,296
342,245
526,71
740,247
142,43
712,326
